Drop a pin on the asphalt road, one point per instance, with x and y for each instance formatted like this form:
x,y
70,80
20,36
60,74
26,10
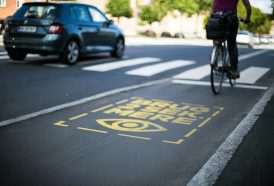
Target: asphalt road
x,y
138,124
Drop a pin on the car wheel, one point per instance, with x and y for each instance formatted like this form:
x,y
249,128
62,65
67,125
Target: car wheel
x,y
17,55
71,53
119,49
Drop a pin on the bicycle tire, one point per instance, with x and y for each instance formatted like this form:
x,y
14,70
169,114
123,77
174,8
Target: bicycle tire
x,y
217,69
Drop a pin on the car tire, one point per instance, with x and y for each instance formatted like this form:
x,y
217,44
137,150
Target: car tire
x,y
71,53
17,55
119,48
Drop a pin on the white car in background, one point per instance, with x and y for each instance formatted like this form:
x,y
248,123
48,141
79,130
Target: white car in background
x,y
245,37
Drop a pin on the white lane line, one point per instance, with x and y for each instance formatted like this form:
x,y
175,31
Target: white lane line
x,y
4,57
205,83
252,54
81,101
121,64
195,74
158,68
210,171
56,65
252,74
103,60
3,53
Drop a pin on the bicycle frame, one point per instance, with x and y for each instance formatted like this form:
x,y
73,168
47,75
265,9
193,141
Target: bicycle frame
x,y
219,70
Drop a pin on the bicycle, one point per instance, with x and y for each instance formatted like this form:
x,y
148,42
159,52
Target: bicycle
x,y
220,66
219,61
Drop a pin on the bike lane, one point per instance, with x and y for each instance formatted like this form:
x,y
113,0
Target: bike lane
x,y
158,135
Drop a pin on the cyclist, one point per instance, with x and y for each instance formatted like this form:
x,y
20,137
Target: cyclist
x,y
228,8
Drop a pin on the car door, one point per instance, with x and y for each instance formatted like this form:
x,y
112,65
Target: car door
x,y
106,33
87,30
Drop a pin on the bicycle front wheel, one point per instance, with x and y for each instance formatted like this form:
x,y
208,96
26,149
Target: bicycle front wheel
x,y
217,69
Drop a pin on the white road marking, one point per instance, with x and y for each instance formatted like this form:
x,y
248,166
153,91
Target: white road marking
x,y
81,101
210,171
56,65
195,74
121,64
252,54
252,74
204,71
4,57
158,68
206,83
3,53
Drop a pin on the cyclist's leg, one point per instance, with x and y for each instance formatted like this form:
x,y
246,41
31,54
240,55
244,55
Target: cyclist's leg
x,y
232,44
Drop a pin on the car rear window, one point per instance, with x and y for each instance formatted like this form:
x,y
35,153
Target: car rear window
x,y
38,11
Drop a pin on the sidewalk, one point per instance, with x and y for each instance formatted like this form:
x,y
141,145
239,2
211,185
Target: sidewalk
x,y
253,162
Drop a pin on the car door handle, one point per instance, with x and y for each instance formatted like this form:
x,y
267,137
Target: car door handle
x,y
80,28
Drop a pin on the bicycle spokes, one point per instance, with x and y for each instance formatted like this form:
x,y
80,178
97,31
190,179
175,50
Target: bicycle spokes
x,y
217,69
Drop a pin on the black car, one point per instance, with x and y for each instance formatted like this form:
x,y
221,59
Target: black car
x,y
64,29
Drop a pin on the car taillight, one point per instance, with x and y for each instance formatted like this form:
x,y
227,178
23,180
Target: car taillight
x,y
56,28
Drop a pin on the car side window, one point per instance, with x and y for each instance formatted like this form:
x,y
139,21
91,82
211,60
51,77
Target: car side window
x,y
80,13
97,16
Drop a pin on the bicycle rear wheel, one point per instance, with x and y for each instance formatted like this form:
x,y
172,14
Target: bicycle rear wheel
x,y
217,69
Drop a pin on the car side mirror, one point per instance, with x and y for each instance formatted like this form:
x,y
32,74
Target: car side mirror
x,y
110,22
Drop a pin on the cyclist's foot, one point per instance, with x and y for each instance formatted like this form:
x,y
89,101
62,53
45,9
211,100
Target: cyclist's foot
x,y
235,74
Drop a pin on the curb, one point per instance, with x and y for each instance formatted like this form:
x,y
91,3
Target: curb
x,y
213,168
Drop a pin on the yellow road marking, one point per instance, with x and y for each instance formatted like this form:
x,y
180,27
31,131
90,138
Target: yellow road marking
x,y
102,108
61,124
121,102
77,117
174,142
136,137
216,113
92,130
190,133
204,122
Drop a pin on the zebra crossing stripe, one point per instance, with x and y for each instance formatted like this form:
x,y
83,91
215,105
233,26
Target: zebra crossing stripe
x,y
253,54
3,53
195,74
252,74
207,83
121,64
159,68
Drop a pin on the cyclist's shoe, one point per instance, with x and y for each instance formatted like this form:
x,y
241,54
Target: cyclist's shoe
x,y
234,74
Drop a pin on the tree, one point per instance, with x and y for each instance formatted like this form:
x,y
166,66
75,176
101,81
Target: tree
x,y
155,12
272,15
148,14
119,8
260,23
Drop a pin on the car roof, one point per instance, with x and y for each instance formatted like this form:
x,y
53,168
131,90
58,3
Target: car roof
x,y
55,3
